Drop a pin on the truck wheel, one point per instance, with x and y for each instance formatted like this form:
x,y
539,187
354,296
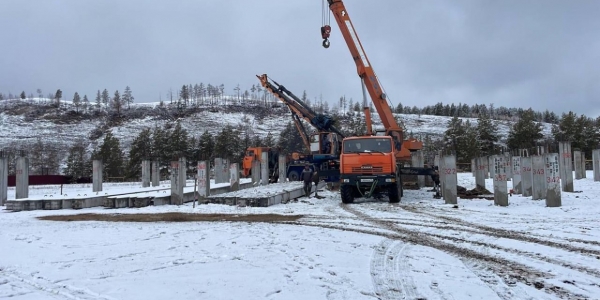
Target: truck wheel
x,y
395,192
347,193
294,176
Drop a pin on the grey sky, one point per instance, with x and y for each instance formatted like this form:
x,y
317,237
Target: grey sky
x,y
543,54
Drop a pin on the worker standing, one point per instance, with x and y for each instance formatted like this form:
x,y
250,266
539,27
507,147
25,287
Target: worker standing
x,y
315,179
306,176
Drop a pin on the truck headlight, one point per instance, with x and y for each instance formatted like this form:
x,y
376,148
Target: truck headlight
x,y
390,180
345,180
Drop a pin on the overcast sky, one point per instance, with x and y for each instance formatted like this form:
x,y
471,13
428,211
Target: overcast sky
x,y
514,53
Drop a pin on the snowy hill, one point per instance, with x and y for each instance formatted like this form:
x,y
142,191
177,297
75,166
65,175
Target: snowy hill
x,y
23,122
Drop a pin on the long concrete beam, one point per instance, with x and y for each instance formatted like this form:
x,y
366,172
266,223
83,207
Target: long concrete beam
x,y
275,194
152,196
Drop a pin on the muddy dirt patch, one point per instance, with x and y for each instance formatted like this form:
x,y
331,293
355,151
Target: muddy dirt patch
x,y
173,217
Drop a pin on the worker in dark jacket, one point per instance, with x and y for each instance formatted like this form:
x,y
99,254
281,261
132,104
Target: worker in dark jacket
x,y
435,176
315,180
306,176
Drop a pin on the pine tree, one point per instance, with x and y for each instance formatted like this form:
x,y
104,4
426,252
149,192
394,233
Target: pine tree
x,y
455,130
567,129
227,143
246,140
160,142
237,90
86,103
290,140
581,131
461,137
53,158
193,151
269,140
141,149
221,90
37,156
258,91
184,94
526,132
117,103
76,161
206,146
23,96
355,126
98,100
591,136
105,97
76,101
253,91
127,97
112,156
179,141
256,141
487,132
470,144
57,97
399,109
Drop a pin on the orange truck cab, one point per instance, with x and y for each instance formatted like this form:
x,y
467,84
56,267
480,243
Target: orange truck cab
x,y
368,166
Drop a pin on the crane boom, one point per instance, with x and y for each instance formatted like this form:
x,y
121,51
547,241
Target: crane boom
x,y
298,107
364,69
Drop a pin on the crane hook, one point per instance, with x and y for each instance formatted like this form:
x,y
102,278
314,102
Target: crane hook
x,y
325,33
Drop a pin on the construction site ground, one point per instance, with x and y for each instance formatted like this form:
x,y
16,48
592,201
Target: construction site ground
x,y
312,248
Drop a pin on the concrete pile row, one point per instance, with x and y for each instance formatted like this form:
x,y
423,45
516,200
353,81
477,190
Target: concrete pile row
x,y
542,176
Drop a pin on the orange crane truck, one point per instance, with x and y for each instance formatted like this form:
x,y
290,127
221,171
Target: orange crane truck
x,y
371,164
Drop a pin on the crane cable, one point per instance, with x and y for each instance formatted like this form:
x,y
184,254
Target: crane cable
x,y
326,14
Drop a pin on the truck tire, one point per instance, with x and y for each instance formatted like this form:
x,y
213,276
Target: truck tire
x,y
347,193
294,176
395,192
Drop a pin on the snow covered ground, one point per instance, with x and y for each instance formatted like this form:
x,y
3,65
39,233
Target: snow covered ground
x,y
418,249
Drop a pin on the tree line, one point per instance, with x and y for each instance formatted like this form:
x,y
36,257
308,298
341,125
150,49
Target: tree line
x,y
171,143
201,94
469,140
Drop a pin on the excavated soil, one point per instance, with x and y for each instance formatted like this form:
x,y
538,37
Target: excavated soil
x,y
174,217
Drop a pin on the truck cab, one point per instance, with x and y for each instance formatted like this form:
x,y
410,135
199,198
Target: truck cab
x,y
368,166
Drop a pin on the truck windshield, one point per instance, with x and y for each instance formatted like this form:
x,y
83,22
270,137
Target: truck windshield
x,y
368,145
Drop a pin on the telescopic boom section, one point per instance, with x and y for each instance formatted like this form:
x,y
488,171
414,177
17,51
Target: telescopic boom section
x,y
365,71
298,107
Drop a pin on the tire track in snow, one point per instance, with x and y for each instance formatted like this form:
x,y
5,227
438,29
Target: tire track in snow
x,y
399,268
462,228
39,283
583,269
540,283
509,271
506,290
507,234
490,231
390,271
